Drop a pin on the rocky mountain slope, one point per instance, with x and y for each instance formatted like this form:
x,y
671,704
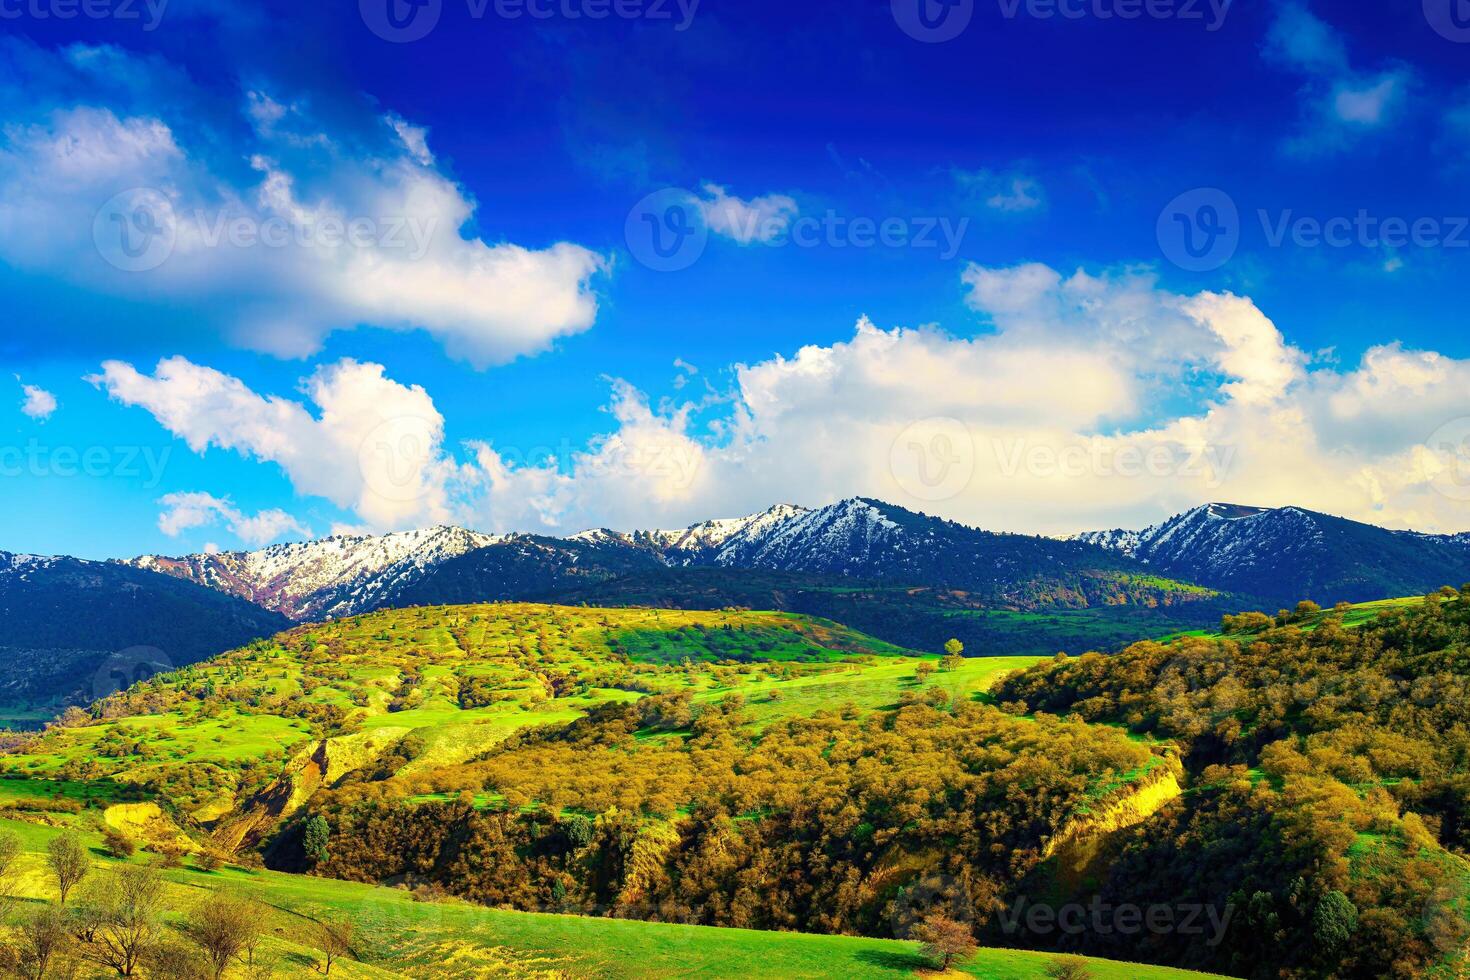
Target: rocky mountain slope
x,y
327,578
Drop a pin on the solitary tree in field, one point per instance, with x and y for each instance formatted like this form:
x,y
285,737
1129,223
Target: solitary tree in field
x,y
923,671
224,926
131,905
954,655
1069,968
334,939
945,940
9,869
315,837
69,862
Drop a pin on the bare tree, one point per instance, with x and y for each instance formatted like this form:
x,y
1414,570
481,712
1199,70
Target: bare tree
x,y
69,861
9,870
131,904
334,939
44,944
225,926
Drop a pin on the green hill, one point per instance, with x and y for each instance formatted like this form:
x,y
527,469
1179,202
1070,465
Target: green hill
x,y
767,773
452,682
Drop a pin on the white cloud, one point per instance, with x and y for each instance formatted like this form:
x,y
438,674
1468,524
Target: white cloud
x,y
760,219
38,403
1340,103
329,228
1086,400
373,446
186,511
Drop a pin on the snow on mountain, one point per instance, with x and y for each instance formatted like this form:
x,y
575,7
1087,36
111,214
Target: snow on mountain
x,y
1290,553
14,565
331,577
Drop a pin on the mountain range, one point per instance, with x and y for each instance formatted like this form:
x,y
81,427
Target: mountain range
x,y
1290,553
902,576
856,539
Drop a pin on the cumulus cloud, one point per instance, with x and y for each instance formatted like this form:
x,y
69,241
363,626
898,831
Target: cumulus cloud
x,y
760,219
118,174
185,511
1340,103
1078,400
38,403
371,445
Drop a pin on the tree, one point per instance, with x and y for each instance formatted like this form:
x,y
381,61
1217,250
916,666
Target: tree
x,y
315,837
130,904
118,844
945,940
923,671
44,940
334,939
224,926
1069,968
954,655
69,862
1334,921
9,870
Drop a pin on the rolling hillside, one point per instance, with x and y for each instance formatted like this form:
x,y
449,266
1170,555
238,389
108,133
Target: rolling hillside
x,y
77,630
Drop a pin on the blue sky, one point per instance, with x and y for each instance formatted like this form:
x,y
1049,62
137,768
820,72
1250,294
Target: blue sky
x,y
1030,319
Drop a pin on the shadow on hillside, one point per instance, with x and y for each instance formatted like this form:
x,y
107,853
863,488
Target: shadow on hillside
x,y
893,960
